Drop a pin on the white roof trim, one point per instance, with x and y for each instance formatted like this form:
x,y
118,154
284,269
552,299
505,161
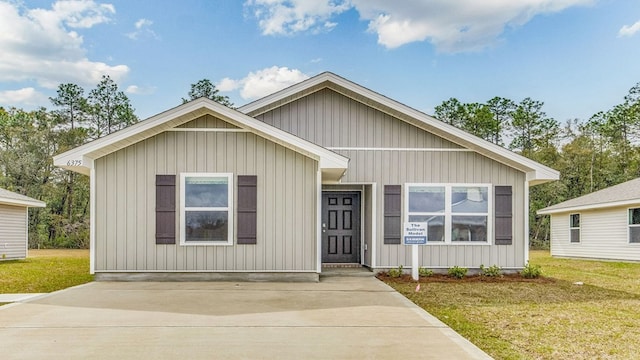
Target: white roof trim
x,y
12,202
590,207
80,159
536,172
25,203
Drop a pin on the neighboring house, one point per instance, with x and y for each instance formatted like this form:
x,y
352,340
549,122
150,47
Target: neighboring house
x,y
14,224
324,171
602,225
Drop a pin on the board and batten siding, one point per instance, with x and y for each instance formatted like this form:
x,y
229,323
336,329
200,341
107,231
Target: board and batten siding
x,y
603,235
373,142
13,232
125,203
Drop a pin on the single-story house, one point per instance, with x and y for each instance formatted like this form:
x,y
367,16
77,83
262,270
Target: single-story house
x,y
602,225
323,172
14,224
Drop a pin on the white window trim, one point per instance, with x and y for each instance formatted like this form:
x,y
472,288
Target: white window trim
x,y
229,209
629,226
448,214
577,227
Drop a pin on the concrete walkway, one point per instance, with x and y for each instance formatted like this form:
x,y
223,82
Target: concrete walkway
x,y
337,318
9,298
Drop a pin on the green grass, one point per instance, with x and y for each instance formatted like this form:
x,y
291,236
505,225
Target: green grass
x,y
549,318
45,271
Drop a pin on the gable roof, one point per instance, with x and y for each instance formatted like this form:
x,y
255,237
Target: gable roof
x,y
536,172
10,198
627,193
80,159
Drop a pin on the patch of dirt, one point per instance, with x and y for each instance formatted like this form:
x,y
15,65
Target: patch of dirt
x,y
444,278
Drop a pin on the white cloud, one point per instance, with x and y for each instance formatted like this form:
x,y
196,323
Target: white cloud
x,y
140,90
461,25
286,17
40,45
629,30
143,27
226,85
27,96
263,82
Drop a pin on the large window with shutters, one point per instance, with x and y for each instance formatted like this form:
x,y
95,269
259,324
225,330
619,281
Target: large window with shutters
x,y
206,209
454,213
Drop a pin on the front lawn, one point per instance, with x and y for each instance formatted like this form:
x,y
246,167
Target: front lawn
x,y
45,271
548,318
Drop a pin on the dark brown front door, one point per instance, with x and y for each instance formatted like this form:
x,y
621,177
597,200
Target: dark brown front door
x,y
340,227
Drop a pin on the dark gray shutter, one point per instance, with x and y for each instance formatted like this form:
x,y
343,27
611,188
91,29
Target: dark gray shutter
x,y
247,209
165,209
392,214
503,215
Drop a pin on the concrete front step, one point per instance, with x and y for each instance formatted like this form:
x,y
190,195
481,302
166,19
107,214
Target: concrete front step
x,y
345,271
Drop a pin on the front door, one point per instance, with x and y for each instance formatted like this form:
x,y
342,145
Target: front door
x,y
340,227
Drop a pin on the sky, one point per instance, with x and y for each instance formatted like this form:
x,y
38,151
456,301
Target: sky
x,y
579,57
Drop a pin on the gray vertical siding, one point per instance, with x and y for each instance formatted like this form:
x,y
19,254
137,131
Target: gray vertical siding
x,y
13,232
125,203
332,120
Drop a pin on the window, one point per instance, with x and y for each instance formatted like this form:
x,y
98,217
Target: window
x,y
456,214
206,209
634,225
574,227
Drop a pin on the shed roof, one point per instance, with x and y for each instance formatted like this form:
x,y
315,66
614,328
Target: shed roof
x,y
627,193
536,172
80,159
10,198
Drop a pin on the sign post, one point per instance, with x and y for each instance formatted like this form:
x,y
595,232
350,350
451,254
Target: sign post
x,y
415,234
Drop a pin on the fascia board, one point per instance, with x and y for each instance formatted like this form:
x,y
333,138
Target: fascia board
x,y
25,203
290,91
85,154
536,172
589,207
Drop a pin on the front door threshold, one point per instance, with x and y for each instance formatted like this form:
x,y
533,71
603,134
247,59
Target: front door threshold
x,y
341,265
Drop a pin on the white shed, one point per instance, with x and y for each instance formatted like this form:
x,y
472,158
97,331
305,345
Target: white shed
x,y
14,224
602,225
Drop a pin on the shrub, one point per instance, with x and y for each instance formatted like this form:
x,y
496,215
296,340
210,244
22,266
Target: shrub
x,y
422,271
491,271
394,273
531,271
458,272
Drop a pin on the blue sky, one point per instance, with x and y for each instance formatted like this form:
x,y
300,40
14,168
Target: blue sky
x,y
577,56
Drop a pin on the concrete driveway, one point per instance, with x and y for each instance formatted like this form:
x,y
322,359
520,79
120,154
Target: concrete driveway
x,y
338,318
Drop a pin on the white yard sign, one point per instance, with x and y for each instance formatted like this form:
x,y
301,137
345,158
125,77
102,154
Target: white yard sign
x,y
415,233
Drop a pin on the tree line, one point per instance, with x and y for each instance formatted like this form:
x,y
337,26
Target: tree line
x,y
590,155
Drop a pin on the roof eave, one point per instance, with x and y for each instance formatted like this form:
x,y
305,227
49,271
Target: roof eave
x,y
81,158
536,172
551,210
25,203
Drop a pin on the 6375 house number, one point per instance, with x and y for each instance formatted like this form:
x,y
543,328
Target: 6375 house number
x,y
74,163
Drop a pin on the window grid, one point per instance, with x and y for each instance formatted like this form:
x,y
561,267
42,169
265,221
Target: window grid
x,y
634,226
212,209
574,228
448,213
